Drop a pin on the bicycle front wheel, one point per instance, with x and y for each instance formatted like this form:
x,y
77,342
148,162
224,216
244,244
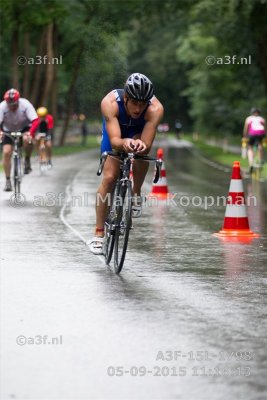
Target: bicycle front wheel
x,y
110,226
123,225
17,175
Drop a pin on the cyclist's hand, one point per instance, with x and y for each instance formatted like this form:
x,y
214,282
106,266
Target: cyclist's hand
x,y
139,146
28,137
129,145
1,136
37,137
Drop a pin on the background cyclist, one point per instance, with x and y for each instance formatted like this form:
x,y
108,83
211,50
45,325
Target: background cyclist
x,y
254,130
130,119
45,125
16,115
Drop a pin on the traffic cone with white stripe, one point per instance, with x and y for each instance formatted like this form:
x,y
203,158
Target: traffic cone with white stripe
x,y
160,189
236,219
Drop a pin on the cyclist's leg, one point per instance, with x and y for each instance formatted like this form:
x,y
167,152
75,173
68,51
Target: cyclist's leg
x,y
7,154
250,155
103,197
260,149
48,146
28,148
140,169
251,142
37,142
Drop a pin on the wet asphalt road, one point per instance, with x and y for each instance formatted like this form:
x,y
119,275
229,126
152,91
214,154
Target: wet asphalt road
x,y
186,319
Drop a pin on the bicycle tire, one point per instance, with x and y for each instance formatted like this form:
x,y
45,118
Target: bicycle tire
x,y
109,245
109,227
123,225
16,176
42,159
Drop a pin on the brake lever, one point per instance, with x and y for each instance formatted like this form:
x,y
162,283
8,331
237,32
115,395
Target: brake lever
x,y
101,164
158,169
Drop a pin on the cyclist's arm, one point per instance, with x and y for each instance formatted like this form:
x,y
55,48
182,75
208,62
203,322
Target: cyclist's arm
x,y
264,124
34,125
50,122
109,109
32,117
1,120
245,130
153,116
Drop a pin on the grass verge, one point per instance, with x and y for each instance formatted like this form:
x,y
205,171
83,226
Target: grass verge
x,y
220,156
76,147
71,148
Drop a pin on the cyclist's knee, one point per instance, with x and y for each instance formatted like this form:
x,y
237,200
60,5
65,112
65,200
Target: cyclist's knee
x,y
7,151
109,181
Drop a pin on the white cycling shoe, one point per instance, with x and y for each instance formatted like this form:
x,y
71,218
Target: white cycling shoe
x,y
136,206
96,245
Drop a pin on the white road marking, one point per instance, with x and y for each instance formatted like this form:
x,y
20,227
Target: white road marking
x,y
65,222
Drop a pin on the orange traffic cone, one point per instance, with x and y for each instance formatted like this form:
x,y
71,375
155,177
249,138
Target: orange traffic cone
x,y
236,219
160,189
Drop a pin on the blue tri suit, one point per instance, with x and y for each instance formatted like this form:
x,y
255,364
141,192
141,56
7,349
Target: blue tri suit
x,y
129,126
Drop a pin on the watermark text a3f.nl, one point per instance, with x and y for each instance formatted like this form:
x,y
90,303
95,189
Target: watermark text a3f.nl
x,y
228,60
22,60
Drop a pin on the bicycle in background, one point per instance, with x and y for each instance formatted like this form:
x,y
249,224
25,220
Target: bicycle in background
x,y
254,153
119,219
43,161
16,137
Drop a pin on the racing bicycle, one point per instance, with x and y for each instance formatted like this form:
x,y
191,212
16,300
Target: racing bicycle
x,y
119,219
42,153
17,160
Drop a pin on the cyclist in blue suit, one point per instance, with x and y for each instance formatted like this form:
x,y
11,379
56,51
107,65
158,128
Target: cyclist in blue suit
x,y
130,119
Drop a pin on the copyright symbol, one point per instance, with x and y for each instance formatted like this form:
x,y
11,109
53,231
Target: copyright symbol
x,y
21,340
210,60
17,200
21,60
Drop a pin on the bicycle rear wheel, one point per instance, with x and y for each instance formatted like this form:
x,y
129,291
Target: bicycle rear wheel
x,y
123,225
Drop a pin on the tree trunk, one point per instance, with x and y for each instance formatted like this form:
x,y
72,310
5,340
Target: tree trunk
x,y
26,75
69,102
259,29
15,69
54,89
37,72
49,66
262,49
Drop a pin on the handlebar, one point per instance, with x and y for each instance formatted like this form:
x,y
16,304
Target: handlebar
x,y
104,156
14,135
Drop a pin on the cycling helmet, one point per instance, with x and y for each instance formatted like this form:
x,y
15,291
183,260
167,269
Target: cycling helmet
x,y
12,96
255,110
139,87
42,111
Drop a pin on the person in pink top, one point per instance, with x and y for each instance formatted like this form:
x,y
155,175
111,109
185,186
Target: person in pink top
x,y
254,131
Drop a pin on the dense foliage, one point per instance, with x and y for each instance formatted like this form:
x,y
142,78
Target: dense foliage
x,y
100,42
